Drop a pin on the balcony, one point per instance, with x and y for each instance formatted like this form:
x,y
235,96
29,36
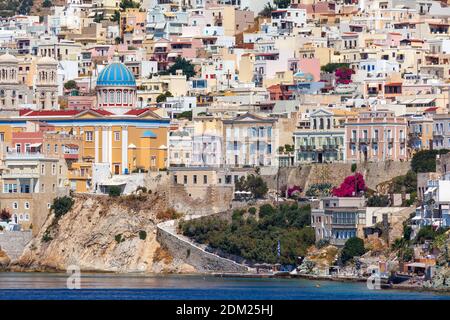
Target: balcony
x,y
390,140
402,140
353,140
374,140
14,155
363,140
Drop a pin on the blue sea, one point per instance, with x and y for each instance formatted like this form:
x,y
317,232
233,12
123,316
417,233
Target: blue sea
x,y
53,286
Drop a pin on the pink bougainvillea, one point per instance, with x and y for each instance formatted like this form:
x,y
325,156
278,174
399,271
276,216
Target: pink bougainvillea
x,y
347,188
343,75
294,191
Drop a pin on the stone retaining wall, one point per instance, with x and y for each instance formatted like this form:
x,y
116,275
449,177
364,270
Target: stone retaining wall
x,y
182,248
13,242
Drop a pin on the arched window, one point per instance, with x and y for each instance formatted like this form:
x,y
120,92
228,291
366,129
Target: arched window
x,y
314,124
111,97
321,123
328,123
125,97
105,96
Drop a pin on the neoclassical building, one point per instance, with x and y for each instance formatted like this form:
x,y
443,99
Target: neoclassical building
x,y
9,82
47,84
116,88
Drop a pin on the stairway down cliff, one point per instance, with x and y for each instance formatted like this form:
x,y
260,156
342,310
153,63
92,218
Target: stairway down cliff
x,y
102,233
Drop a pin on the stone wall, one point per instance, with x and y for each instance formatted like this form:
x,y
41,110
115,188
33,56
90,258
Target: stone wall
x,y
334,173
182,248
200,200
13,242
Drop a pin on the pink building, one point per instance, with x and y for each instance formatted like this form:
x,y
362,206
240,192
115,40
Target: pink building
x,y
375,136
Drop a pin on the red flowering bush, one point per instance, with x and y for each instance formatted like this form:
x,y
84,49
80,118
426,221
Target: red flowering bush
x,y
347,188
294,191
343,75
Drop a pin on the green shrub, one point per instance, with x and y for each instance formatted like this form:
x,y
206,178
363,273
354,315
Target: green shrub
x,y
142,235
256,240
266,210
62,205
119,238
425,160
354,167
46,237
114,191
354,247
252,210
378,201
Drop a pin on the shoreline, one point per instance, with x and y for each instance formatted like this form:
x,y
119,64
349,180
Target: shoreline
x,y
384,286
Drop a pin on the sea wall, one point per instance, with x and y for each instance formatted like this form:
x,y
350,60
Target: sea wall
x,y
182,248
14,242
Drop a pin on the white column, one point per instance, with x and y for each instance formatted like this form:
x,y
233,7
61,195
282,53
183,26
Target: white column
x,y
110,148
104,145
96,143
124,148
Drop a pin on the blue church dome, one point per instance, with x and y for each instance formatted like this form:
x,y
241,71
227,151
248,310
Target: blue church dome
x,y
116,74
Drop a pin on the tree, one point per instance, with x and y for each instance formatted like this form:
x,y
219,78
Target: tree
x,y
114,191
185,115
184,65
354,247
47,3
62,205
331,67
98,17
257,186
163,96
425,160
5,215
125,4
378,201
267,11
352,186
282,4
116,16
71,85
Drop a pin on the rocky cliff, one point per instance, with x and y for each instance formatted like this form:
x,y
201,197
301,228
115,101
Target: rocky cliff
x,y
101,233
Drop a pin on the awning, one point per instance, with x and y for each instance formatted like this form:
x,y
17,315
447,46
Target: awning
x,y
112,183
172,55
35,145
72,146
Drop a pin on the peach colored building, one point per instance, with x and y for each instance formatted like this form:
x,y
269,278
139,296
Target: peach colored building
x,y
376,136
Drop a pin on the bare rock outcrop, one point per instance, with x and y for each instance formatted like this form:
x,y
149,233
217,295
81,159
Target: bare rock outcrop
x,y
102,233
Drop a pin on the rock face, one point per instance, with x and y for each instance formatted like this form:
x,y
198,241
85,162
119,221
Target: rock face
x,y
102,234
4,260
319,260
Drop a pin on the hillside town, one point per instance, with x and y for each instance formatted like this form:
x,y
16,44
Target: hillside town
x,y
327,120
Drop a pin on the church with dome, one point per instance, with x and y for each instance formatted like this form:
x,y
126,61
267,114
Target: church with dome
x,y
116,88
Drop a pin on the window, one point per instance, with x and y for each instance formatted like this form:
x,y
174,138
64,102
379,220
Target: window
x,y
42,169
116,135
48,147
53,169
205,179
49,205
10,188
185,179
2,136
42,187
15,205
195,179
27,205
56,148
18,147
88,135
